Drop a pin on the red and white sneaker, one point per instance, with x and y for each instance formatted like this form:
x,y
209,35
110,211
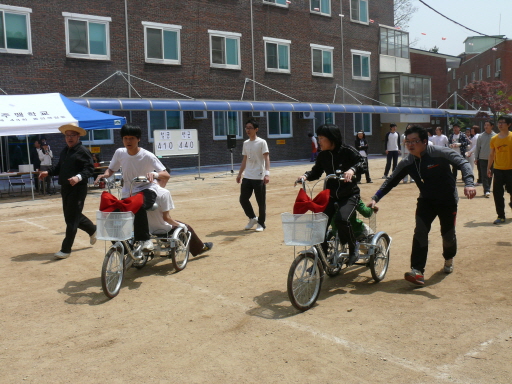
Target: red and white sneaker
x,y
415,277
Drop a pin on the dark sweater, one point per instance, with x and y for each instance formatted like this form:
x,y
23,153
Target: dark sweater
x,y
73,161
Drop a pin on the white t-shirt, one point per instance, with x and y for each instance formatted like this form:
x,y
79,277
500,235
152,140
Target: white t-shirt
x,y
405,151
255,164
441,141
392,144
155,218
137,165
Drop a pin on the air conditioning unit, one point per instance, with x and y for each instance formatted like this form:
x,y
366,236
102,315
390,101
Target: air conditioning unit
x,y
258,114
199,115
307,115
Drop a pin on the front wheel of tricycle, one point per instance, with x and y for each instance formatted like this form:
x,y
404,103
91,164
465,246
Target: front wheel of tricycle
x,y
304,281
379,260
112,272
180,253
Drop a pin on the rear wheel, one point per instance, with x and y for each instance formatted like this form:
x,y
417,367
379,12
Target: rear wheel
x,y
304,281
112,272
180,253
379,260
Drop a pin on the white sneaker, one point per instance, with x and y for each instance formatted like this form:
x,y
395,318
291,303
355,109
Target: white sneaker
x,y
147,245
487,194
62,255
259,228
92,238
251,223
448,266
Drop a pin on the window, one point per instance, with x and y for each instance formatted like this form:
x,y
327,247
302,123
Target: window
x,y
359,11
458,83
480,74
472,76
394,43
277,55
498,65
360,65
465,80
454,74
488,70
162,43
225,49
87,36
163,120
416,91
279,124
281,3
363,123
15,29
321,60
227,123
322,7
449,88
324,118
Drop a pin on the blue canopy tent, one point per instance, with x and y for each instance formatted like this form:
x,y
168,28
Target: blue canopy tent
x,y
45,113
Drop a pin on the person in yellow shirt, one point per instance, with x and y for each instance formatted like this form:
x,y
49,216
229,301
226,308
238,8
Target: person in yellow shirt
x,y
500,159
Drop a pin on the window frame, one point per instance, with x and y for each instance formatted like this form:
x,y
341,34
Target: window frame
x,y
162,28
362,114
454,73
323,48
355,52
87,19
359,12
458,83
391,49
280,134
497,65
100,142
17,11
320,12
480,74
320,118
488,70
239,134
230,35
150,132
278,42
273,2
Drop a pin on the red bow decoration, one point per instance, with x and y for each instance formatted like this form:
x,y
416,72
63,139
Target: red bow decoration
x,y
303,202
109,203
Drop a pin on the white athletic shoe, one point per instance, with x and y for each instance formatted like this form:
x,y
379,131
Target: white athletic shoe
x,y
147,245
259,228
62,255
251,223
92,238
487,194
448,266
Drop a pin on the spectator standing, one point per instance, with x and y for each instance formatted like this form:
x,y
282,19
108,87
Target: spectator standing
x,y
74,169
46,156
459,142
430,167
501,156
470,154
36,161
362,146
439,139
482,152
314,147
392,145
255,168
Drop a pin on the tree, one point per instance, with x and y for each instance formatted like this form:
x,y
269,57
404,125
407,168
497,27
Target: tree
x,y
403,10
493,96
435,49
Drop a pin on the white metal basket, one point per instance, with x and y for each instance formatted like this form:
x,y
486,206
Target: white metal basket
x,y
305,229
114,226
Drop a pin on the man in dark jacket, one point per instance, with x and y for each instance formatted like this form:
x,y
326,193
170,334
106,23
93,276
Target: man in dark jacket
x,y
34,159
336,156
429,166
74,168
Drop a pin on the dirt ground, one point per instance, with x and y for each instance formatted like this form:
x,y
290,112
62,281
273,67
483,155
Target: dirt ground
x,y
227,317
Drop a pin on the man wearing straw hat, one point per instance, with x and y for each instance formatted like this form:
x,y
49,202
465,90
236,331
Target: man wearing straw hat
x,y
74,168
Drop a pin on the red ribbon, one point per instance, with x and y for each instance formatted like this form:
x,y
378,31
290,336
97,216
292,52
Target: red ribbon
x,y
110,203
303,202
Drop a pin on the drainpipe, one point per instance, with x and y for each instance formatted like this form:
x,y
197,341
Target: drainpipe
x,y
252,51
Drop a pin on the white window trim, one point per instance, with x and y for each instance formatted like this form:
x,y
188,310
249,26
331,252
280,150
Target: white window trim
x,y
488,70
224,137
275,4
361,53
163,27
367,15
231,35
371,123
323,48
278,42
182,123
280,135
311,10
20,11
87,18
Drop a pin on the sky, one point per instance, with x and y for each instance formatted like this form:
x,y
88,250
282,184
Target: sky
x,y
480,15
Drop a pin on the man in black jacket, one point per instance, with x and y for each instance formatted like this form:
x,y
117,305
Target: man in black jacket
x,y
34,159
74,168
429,166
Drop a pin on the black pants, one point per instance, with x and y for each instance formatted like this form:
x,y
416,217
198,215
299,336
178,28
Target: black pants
x,y
260,192
455,170
426,212
347,207
140,221
502,180
392,155
73,199
366,172
486,181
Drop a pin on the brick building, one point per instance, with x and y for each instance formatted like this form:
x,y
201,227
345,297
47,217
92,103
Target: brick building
x,y
210,50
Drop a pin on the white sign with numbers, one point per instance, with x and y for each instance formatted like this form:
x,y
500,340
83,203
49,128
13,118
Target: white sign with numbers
x,y
175,142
